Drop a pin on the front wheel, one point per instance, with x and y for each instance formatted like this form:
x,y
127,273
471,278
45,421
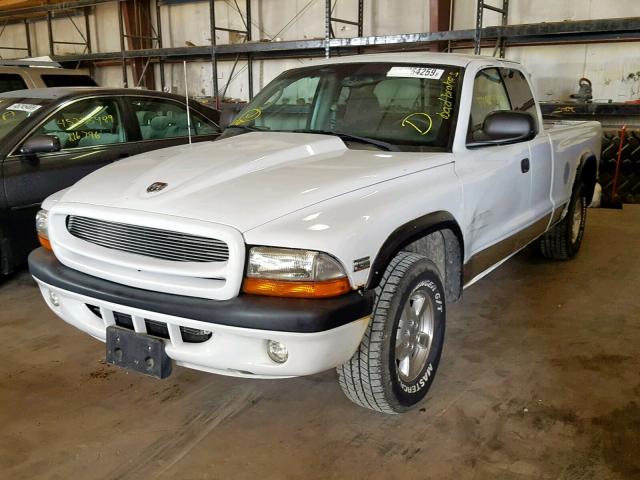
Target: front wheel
x,y
396,362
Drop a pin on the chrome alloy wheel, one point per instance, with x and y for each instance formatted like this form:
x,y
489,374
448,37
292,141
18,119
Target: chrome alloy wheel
x,y
578,213
414,334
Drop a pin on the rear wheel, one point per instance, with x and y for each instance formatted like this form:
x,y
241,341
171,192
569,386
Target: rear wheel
x,y
563,241
397,359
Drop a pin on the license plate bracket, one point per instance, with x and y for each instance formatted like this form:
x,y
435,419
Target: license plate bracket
x,y
139,352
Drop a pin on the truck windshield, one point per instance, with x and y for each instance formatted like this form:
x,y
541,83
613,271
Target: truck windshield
x,y
16,111
409,107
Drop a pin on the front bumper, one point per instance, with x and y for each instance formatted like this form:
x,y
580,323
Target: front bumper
x,y
319,334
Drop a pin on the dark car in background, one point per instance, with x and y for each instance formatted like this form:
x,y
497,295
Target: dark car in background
x,y
52,137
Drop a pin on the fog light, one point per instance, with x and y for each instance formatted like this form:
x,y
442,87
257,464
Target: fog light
x,y
53,297
277,351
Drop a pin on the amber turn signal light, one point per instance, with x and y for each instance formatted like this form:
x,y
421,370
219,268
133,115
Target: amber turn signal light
x,y
296,289
44,241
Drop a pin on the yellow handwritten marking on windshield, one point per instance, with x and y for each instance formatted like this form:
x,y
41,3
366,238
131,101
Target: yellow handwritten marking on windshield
x,y
8,115
420,121
447,91
247,117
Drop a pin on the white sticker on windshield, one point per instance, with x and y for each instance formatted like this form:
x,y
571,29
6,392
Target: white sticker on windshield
x,y
416,72
24,107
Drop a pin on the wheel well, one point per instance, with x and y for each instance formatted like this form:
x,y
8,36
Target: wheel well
x,y
442,247
588,174
436,236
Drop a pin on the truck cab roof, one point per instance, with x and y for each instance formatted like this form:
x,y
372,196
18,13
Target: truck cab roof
x,y
454,59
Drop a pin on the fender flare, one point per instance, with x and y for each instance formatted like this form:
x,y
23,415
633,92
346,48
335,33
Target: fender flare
x,y
408,233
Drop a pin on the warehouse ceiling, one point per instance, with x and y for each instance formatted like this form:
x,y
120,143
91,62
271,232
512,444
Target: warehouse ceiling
x,y
12,4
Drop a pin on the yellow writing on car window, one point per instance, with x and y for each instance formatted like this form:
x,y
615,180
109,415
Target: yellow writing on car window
x,y
247,116
420,121
74,122
447,93
78,135
8,115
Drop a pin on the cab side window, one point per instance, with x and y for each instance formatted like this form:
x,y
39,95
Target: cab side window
x,y
59,80
519,92
86,123
160,119
11,81
489,95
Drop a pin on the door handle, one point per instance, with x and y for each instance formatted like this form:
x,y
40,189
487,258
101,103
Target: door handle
x,y
524,165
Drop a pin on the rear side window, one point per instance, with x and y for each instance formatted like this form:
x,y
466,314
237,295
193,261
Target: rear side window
x,y
519,91
160,119
68,81
11,81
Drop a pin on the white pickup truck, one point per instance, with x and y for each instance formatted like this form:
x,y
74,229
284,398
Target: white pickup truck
x,y
329,227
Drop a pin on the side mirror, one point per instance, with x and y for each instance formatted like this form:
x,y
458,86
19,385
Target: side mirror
x,y
40,144
504,127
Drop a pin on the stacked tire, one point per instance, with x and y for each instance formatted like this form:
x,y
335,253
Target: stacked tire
x,y
628,187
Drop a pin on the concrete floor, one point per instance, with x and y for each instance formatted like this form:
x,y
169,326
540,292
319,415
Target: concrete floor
x,y
540,378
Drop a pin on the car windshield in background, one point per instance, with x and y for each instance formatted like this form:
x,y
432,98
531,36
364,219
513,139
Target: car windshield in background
x,y
15,111
410,107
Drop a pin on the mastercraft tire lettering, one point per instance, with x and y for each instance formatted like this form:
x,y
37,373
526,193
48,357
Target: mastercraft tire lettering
x,y
396,362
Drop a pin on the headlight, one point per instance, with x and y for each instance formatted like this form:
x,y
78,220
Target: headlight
x,y
294,273
286,264
42,223
42,228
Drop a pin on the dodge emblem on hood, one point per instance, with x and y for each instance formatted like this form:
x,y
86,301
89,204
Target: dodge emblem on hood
x,y
156,187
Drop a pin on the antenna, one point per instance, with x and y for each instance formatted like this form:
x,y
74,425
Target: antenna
x,y
186,94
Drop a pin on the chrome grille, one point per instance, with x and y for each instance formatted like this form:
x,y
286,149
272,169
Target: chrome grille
x,y
147,241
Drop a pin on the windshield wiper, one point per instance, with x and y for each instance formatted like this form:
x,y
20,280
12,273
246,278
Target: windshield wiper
x,y
355,138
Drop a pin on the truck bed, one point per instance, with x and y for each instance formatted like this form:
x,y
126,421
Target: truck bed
x,y
560,124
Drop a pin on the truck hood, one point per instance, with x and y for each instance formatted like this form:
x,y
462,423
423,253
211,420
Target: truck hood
x,y
246,180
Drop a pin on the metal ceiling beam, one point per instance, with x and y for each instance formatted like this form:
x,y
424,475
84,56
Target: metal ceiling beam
x,y
617,29
51,7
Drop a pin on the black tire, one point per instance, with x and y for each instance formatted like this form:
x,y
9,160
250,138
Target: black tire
x,y
563,241
372,378
5,256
